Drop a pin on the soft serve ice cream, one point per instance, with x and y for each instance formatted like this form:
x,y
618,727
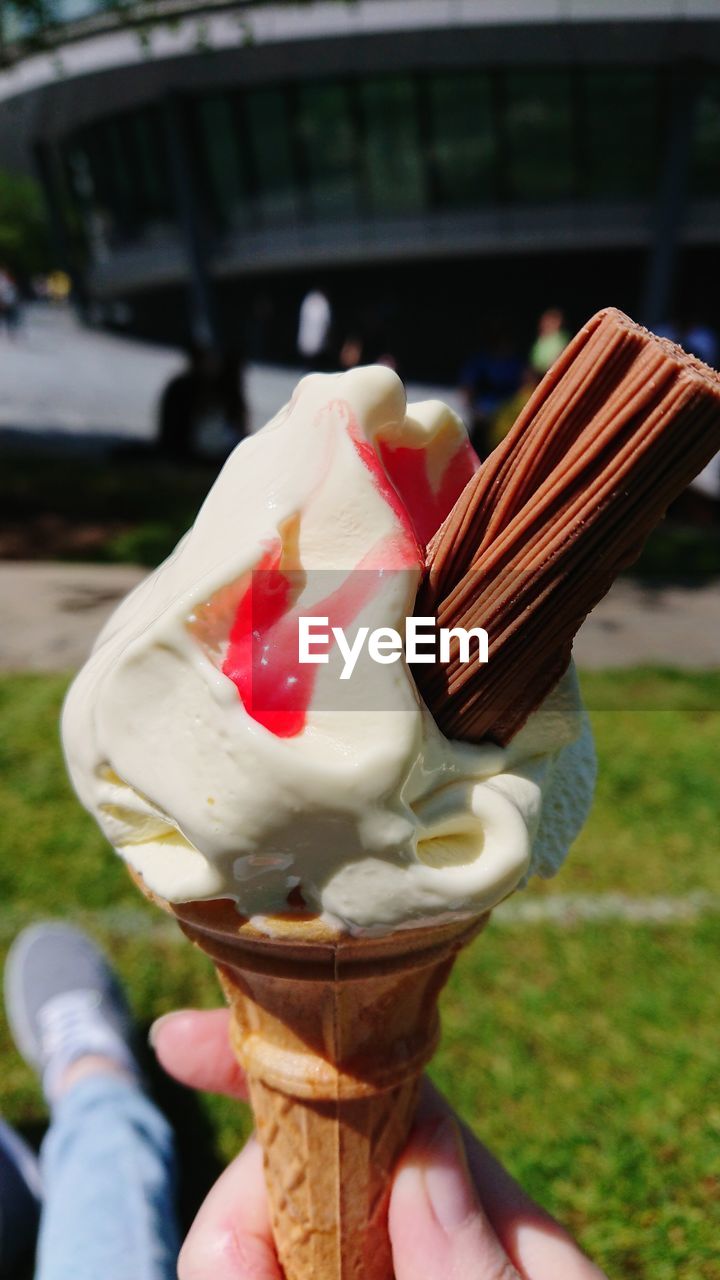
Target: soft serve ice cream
x,y
220,767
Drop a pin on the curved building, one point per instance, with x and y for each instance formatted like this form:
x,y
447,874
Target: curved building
x,y
449,158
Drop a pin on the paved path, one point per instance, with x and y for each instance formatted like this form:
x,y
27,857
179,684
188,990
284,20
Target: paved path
x,y
58,377
52,612
636,625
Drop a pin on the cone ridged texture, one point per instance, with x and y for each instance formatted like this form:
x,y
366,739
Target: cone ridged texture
x,y
328,1169
333,1033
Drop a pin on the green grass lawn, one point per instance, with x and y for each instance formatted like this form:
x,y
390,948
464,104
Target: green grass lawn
x,y
586,1056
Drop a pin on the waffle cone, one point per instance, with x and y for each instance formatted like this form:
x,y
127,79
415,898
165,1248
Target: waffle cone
x,y
333,1033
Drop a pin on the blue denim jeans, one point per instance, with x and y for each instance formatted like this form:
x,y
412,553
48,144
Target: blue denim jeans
x,y
108,1167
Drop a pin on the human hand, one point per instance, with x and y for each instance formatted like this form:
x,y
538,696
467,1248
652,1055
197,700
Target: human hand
x,y
455,1213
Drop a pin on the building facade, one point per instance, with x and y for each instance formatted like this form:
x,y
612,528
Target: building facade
x,y
479,155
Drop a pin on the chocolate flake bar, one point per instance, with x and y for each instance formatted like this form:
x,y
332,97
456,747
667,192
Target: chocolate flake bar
x,y
616,430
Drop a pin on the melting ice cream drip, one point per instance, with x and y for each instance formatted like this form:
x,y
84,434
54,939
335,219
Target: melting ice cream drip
x,y
409,471
261,613
262,653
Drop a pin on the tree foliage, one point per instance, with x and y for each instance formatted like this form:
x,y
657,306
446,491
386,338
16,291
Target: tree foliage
x,y
24,246
31,24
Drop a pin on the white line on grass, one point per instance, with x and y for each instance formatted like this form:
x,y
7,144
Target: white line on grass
x,y
565,911
568,909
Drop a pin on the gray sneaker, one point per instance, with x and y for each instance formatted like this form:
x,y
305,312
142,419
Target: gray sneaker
x,y
63,1002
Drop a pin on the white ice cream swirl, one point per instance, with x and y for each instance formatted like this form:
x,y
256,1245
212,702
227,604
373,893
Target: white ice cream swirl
x,y
216,768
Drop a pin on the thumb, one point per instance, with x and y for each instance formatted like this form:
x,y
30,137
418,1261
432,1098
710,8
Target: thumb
x,y
230,1238
437,1225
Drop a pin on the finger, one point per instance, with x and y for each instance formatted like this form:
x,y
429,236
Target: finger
x,y
535,1243
193,1046
230,1238
438,1227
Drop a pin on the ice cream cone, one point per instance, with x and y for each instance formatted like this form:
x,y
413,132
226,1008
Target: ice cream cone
x,y
333,1032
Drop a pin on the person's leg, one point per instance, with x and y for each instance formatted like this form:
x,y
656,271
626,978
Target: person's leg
x,y
108,1160
108,1173
20,1192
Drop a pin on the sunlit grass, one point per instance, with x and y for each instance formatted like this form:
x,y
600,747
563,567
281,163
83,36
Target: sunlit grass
x,y
585,1056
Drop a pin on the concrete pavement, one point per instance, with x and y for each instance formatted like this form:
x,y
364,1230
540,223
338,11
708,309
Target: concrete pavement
x,y
52,613
59,377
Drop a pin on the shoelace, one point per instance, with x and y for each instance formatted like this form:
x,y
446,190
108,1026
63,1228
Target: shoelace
x,y
71,1025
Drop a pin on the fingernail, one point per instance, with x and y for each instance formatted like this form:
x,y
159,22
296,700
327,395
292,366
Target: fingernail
x,y
447,1178
156,1025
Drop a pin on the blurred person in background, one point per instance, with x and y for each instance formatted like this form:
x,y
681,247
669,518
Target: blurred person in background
x,y
702,502
388,361
9,303
202,411
58,286
510,411
552,338
314,330
694,335
699,505
368,337
351,352
488,380
700,340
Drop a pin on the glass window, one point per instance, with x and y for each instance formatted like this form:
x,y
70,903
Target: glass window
x,y
146,150
462,139
82,179
95,216
324,128
138,159
393,173
105,148
269,143
220,147
54,162
705,172
94,180
620,133
122,162
537,136
89,176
